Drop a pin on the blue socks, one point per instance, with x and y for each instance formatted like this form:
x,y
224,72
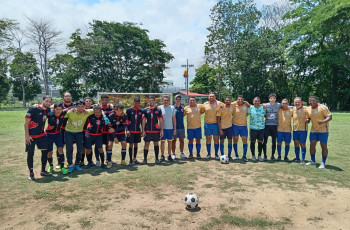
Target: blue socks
x,y
297,152
198,147
209,149
190,148
245,147
313,157
216,147
221,149
324,158
303,153
235,149
279,150
286,150
229,146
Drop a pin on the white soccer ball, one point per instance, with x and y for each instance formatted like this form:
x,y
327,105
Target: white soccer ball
x,y
191,201
224,159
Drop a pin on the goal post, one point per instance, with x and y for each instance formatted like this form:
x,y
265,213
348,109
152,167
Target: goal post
x,y
127,99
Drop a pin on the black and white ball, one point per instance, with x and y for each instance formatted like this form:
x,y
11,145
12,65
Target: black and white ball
x,y
191,201
224,159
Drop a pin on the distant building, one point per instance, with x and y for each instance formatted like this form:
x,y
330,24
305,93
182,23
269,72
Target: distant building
x,y
200,98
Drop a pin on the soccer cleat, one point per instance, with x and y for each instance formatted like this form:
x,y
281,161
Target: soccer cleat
x,y
136,162
70,168
109,164
260,158
278,158
144,162
208,156
296,160
199,156
89,165
162,158
130,164
44,173
322,166
230,158
173,156
157,161
58,166
265,158
190,156
114,163
31,176
244,159
254,158
123,163
82,164
273,158
170,158
64,171
50,169
217,157
286,159
236,158
183,156
302,162
98,163
103,166
310,163
78,168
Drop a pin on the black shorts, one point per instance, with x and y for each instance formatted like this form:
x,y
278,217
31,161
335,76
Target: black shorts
x,y
105,138
270,130
152,137
120,137
256,134
93,140
228,133
134,138
40,142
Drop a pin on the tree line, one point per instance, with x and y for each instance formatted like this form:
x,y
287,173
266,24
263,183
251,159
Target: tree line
x,y
292,48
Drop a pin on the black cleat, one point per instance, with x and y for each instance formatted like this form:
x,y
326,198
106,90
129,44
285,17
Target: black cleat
x,y
89,165
44,173
278,158
162,158
144,162
170,158
157,161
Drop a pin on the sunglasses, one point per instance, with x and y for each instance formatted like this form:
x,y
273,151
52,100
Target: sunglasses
x,y
178,99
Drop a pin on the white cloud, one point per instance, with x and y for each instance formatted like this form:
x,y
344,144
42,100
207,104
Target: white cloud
x,y
181,24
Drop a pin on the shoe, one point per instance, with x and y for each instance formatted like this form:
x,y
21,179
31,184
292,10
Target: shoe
x,y
254,158
286,159
217,157
98,163
236,158
183,156
230,159
64,171
273,158
109,164
44,173
296,160
260,158
130,164
310,163
136,162
114,163
103,166
82,164
265,158
278,158
173,156
302,162
50,169
58,166
199,156
123,163
144,162
208,156
190,156
157,161
77,167
322,166
245,159
70,168
89,165
170,158
31,176
162,158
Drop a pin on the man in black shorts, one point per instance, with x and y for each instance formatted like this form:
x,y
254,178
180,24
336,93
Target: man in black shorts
x,y
34,135
133,133
151,129
118,122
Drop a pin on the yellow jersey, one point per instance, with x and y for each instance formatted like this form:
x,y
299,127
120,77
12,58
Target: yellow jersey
x,y
240,113
299,116
226,116
319,113
193,116
284,117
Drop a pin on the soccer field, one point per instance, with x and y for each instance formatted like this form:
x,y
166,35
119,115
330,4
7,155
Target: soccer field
x,y
263,195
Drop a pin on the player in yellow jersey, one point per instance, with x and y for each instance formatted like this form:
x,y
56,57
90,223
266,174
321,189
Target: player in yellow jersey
x,y
320,117
239,121
211,128
300,126
194,130
284,128
224,119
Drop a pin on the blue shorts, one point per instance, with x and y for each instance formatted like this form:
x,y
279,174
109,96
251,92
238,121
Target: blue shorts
x,y
300,136
54,138
211,129
194,133
284,136
228,133
240,131
93,139
322,137
167,134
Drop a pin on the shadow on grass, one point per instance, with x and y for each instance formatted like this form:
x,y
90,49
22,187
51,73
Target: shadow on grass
x,y
331,167
196,209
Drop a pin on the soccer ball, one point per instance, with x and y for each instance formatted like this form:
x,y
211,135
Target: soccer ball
x,y
224,159
191,201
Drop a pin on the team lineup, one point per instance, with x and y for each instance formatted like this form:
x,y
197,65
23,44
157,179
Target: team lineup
x,y
104,125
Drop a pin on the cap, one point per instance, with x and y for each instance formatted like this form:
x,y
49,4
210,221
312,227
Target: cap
x,y
178,95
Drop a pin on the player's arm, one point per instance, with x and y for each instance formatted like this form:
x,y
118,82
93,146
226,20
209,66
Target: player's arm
x,y
143,126
28,139
327,115
161,127
218,120
174,123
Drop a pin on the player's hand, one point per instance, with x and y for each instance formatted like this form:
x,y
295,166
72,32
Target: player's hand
x,y
320,122
221,133
264,105
127,133
161,133
74,110
86,112
307,120
111,130
174,133
28,140
36,105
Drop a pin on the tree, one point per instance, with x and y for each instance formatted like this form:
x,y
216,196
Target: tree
x,y
205,80
25,76
42,33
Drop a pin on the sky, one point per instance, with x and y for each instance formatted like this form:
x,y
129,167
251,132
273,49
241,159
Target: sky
x,y
180,24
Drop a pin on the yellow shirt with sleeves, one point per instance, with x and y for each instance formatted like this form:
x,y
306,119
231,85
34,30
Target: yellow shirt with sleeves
x,y
193,116
319,113
299,116
210,111
240,113
226,116
284,120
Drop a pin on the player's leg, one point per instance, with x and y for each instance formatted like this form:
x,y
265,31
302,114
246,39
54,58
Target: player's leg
x,y
68,137
313,141
99,145
30,158
216,135
222,141
50,142
260,138
147,140
273,134
266,137
323,142
156,149
110,150
88,150
42,145
244,136
190,137
162,149
79,142
287,139
303,146
253,137
280,138
198,137
296,139
169,150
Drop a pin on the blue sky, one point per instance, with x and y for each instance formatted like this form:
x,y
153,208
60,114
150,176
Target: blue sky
x,y
181,24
